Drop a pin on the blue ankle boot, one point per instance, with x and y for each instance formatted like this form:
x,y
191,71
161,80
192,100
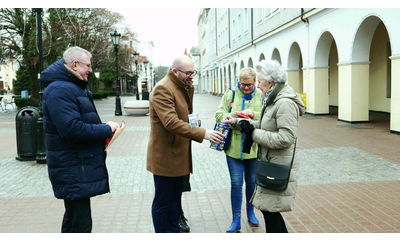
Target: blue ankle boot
x,y
235,226
252,217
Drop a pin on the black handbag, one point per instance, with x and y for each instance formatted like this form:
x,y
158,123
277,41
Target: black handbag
x,y
274,176
228,138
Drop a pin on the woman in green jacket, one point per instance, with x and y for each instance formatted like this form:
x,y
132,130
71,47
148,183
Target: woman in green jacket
x,y
247,100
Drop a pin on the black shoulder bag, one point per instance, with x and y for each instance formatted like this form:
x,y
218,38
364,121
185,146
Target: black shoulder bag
x,y
274,176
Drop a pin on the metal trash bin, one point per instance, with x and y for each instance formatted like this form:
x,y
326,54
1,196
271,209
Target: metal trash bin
x,y
1,91
145,95
27,133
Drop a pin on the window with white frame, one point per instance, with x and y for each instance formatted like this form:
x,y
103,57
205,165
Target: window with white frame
x,y
259,15
226,36
219,41
233,28
269,12
239,25
219,14
245,21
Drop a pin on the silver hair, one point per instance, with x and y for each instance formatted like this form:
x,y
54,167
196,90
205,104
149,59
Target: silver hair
x,y
74,53
271,71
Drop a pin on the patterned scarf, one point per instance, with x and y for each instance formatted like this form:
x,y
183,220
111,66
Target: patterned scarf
x,y
268,93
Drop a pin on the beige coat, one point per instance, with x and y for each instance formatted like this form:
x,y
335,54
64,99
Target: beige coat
x,y
275,134
169,149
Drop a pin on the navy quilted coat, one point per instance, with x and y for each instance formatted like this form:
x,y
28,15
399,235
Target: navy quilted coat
x,y
75,135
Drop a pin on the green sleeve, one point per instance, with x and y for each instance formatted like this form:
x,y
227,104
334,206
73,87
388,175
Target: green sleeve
x,y
223,108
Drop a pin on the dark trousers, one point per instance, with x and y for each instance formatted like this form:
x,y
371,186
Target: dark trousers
x,y
166,204
274,222
77,216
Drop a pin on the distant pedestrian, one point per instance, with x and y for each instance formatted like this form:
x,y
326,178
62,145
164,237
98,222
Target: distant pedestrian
x,y
75,138
275,133
245,98
169,155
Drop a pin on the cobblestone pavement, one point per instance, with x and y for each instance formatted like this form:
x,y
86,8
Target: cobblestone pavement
x,y
349,179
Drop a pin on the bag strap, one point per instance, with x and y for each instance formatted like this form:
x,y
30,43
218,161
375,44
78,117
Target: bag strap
x,y
294,150
233,98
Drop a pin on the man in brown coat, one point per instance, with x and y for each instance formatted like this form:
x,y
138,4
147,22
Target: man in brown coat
x,y
169,155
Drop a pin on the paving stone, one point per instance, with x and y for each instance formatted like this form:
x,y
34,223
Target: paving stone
x,y
349,180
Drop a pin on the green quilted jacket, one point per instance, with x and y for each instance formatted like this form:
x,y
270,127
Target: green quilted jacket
x,y
239,104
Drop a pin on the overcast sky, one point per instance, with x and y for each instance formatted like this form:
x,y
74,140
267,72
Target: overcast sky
x,y
171,30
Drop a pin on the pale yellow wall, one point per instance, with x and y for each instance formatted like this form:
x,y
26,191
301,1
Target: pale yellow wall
x,y
378,100
395,108
353,88
317,91
359,92
219,84
333,77
306,86
321,91
293,80
212,78
310,91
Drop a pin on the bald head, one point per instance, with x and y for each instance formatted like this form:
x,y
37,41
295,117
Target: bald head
x,y
183,68
182,61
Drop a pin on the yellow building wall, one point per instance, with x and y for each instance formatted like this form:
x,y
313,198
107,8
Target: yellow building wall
x,y
354,88
333,77
379,57
321,105
395,105
293,80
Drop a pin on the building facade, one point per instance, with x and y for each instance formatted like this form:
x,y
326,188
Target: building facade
x,y
347,58
8,71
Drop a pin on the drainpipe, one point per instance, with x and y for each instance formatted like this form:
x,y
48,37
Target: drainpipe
x,y
301,17
251,26
305,20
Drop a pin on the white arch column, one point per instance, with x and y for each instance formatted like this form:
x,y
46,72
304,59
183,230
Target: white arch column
x,y
212,80
395,97
354,92
219,80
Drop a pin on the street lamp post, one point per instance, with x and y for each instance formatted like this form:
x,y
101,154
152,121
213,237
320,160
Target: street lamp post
x,y
151,77
115,38
145,71
136,57
154,77
41,147
145,94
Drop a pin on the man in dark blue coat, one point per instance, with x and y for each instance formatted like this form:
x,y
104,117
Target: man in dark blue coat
x,y
75,138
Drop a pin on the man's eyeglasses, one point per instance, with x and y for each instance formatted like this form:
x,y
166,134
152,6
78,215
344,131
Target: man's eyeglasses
x,y
87,64
246,85
188,74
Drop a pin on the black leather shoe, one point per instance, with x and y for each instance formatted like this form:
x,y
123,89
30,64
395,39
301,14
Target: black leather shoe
x,y
182,223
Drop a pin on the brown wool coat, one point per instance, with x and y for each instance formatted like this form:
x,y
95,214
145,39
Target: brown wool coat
x,y
169,149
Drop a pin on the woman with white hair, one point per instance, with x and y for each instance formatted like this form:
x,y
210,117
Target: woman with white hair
x,y
275,133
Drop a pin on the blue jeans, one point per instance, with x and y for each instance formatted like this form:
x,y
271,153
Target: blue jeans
x,y
167,199
237,168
